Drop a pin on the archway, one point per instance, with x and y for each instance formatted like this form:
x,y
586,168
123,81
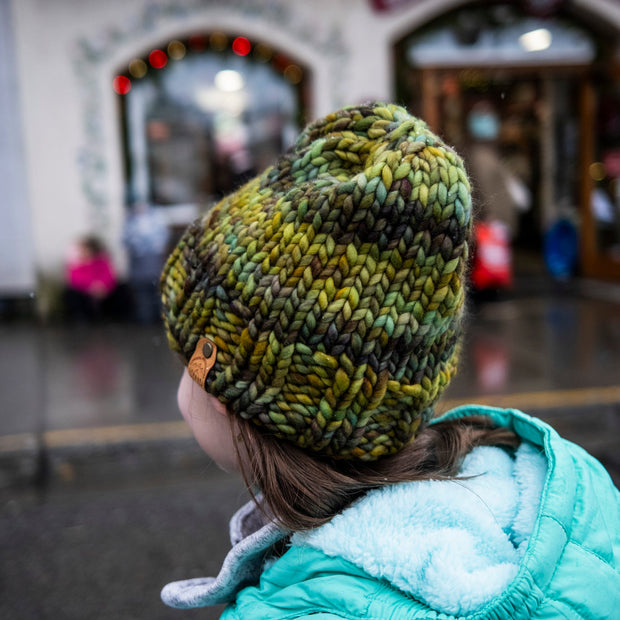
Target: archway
x,y
203,112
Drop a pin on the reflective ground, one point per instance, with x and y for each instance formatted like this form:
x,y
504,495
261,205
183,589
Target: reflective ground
x,y
64,377
547,354
104,496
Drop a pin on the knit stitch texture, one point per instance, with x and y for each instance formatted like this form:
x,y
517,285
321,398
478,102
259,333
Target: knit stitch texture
x,y
332,284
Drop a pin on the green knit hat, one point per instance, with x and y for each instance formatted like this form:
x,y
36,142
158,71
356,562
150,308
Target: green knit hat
x,y
332,284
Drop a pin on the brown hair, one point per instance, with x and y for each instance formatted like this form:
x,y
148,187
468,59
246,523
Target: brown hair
x,y
301,490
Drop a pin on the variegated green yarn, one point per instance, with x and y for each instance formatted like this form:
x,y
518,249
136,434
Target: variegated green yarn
x,y
332,284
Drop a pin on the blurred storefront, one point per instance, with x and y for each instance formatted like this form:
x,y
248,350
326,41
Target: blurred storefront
x,y
173,102
202,115
529,93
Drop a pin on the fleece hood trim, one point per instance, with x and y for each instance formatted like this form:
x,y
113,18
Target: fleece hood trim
x,y
453,544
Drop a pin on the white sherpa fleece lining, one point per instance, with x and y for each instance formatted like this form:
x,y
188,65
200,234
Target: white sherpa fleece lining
x,y
455,545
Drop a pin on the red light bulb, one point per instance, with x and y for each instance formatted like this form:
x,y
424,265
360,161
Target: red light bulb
x,y
158,59
241,46
121,84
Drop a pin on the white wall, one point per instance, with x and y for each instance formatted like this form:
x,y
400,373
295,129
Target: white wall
x,y
16,259
69,50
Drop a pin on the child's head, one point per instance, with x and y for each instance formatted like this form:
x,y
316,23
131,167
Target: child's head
x,y
86,249
92,246
332,285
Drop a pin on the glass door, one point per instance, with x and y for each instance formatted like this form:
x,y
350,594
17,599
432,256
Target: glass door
x,y
601,195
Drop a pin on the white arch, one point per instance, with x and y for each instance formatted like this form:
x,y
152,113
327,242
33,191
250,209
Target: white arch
x,y
391,27
101,147
407,20
257,31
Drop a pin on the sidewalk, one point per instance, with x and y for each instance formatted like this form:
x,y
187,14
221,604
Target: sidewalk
x,y
73,398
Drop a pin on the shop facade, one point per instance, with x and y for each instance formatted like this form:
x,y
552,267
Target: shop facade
x,y
90,141
529,90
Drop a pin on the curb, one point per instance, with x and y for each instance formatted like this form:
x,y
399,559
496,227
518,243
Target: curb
x,y
99,455
588,416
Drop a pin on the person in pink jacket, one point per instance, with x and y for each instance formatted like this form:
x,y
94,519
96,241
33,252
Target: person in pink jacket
x,y
90,280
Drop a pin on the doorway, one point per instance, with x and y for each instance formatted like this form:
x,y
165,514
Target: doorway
x,y
202,114
528,121
493,77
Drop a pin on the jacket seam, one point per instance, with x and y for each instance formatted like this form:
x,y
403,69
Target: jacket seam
x,y
319,610
589,552
562,525
573,543
562,605
557,564
311,610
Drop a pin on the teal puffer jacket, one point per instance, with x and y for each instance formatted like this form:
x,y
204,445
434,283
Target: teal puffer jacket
x,y
561,561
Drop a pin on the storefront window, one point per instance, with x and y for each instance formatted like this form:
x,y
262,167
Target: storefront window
x,y
204,114
605,172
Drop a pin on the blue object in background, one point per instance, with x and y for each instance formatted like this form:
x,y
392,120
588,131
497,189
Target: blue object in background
x,y
560,249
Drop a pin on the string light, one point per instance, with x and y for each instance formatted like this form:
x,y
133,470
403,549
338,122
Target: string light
x,y
197,42
293,74
241,46
262,52
597,171
138,68
218,41
280,62
158,59
176,50
121,84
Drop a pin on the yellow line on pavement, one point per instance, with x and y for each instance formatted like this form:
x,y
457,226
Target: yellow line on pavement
x,y
99,436
541,400
154,431
117,434
18,443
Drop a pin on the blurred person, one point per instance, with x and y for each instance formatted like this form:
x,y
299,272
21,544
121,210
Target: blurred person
x,y
318,311
499,192
499,196
90,281
146,238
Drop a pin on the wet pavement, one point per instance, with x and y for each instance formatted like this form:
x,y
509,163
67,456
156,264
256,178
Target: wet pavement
x,y
104,496
85,377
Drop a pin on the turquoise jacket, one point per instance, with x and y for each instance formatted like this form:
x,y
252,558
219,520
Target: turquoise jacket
x,y
468,550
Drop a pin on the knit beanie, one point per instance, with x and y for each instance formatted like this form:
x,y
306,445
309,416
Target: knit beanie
x,y
332,285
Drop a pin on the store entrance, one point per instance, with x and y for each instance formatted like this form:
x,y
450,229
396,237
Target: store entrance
x,y
519,133
533,105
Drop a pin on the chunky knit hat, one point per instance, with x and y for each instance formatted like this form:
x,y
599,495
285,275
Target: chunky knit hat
x,y
332,284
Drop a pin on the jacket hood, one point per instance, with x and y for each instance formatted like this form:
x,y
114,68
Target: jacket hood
x,y
569,567
453,544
